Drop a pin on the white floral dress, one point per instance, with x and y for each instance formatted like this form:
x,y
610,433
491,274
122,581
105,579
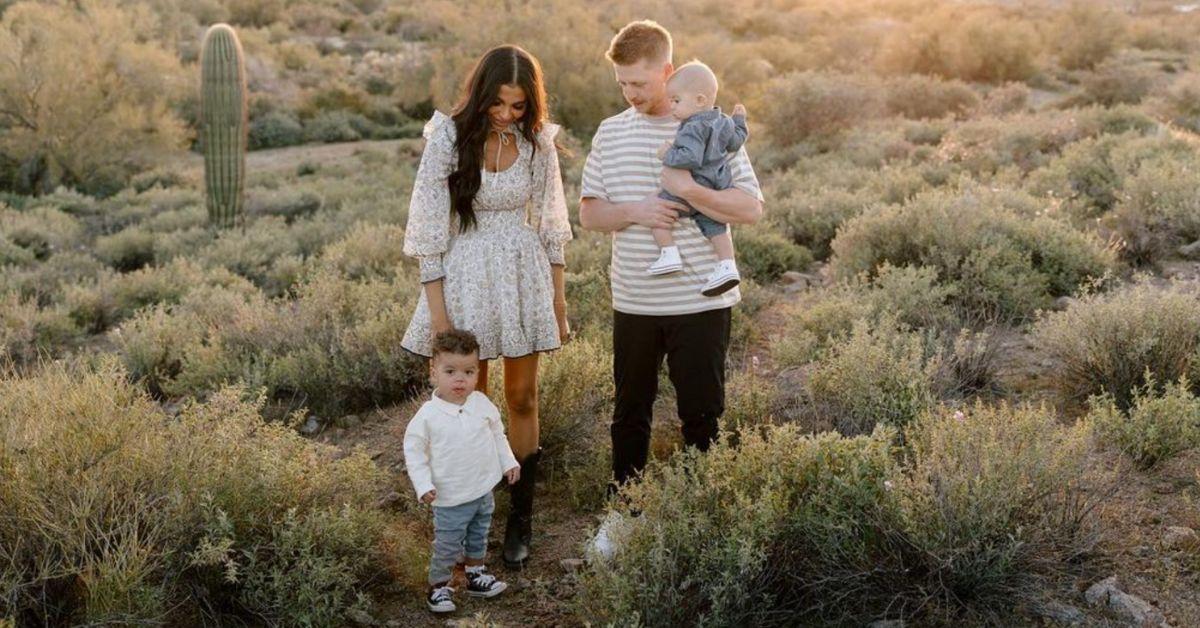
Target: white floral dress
x,y
495,277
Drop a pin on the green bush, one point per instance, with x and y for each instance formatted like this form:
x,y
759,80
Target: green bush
x,y
815,105
1106,343
812,219
1003,265
335,348
41,230
332,126
877,374
962,43
148,517
126,250
29,333
1158,210
1117,84
764,255
1159,424
574,411
1181,103
794,529
1085,35
925,97
275,129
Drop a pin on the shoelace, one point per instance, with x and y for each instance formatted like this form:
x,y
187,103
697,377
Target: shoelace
x,y
442,594
481,579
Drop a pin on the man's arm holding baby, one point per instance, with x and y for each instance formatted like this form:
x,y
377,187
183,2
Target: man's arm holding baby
x,y
731,206
598,214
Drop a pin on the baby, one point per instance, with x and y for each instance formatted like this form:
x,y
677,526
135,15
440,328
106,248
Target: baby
x,y
703,142
455,451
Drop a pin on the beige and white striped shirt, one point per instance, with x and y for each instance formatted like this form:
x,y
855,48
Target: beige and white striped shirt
x,y
622,167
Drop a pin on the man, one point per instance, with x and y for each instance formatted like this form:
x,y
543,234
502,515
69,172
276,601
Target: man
x,y
663,315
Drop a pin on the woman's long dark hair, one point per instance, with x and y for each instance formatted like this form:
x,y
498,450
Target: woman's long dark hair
x,y
502,65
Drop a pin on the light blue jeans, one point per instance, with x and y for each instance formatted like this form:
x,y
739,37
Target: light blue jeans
x,y
459,531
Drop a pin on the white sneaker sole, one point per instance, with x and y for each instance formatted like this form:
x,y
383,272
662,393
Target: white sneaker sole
x,y
441,609
492,592
665,270
721,288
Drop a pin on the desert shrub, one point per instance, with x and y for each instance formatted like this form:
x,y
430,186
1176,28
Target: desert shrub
x,y
1160,423
816,105
764,255
1087,34
1181,103
924,97
47,282
1158,210
877,374
589,301
210,513
367,251
978,46
41,230
1108,342
29,333
1030,140
275,129
575,408
811,219
126,250
1117,83
171,220
99,304
157,177
789,528
288,204
1005,99
1003,264
252,251
997,501
331,126
335,348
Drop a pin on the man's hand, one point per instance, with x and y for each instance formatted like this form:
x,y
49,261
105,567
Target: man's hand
x,y
513,474
739,110
655,212
678,182
663,148
428,497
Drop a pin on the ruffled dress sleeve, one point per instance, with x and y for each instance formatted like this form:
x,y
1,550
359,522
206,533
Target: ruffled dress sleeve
x,y
549,211
428,230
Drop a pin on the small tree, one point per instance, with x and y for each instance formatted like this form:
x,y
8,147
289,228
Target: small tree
x,y
84,95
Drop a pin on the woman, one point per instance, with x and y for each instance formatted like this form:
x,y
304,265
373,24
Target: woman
x,y
488,220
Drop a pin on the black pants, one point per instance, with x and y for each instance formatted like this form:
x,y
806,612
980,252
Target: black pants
x,y
695,347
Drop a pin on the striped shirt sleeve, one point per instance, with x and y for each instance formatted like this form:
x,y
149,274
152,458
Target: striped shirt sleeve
x,y
744,178
593,170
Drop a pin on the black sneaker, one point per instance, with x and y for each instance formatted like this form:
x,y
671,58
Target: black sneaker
x,y
441,599
480,583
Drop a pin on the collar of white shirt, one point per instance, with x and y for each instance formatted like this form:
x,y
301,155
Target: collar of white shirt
x,y
448,407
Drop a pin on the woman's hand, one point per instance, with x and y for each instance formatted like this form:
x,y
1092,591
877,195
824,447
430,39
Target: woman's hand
x,y
513,474
428,497
564,326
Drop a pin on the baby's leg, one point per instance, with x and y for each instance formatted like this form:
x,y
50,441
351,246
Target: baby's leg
x,y
723,243
663,238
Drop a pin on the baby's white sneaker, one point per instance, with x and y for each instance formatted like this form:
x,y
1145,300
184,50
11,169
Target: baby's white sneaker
x,y
722,279
668,262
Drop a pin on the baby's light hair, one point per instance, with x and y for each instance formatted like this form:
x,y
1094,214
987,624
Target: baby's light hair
x,y
695,77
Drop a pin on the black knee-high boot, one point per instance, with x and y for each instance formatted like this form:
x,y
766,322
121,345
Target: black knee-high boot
x,y
518,531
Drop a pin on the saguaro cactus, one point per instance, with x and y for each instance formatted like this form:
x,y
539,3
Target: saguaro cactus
x,y
223,124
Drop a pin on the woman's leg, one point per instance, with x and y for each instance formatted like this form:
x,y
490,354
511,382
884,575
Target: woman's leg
x,y
520,395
